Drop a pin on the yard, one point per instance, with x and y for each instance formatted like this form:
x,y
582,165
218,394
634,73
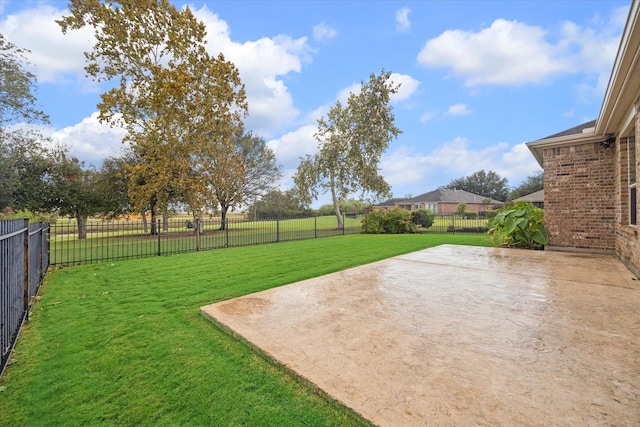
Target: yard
x,y
123,342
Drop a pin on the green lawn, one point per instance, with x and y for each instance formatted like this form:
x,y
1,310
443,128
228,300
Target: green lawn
x,y
124,344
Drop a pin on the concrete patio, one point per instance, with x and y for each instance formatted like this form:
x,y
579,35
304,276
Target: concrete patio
x,y
458,335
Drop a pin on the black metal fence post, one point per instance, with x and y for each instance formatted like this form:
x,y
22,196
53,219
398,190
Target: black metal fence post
x,y
315,226
158,232
198,225
25,283
277,229
226,232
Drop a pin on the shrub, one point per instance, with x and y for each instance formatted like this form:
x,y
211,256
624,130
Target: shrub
x,y
520,226
471,215
398,221
373,222
422,218
394,221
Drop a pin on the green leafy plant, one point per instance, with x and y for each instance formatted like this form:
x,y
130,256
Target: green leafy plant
x,y
519,226
423,218
373,222
394,221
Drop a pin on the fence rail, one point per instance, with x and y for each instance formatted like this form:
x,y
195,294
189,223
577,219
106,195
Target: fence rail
x,y
115,240
24,260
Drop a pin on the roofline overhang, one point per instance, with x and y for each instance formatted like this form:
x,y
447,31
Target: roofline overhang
x,y
624,84
538,147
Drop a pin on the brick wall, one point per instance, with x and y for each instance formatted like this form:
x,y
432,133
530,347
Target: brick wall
x,y
579,192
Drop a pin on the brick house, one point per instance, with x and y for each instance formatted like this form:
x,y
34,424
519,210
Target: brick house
x,y
591,170
535,198
442,202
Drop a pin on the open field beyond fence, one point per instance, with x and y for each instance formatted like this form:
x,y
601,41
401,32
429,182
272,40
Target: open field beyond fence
x,y
124,239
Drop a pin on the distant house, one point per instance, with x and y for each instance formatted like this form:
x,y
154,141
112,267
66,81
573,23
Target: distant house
x,y
537,199
442,201
591,171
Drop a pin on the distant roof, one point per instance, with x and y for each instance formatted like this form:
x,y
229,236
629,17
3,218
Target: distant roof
x,y
538,196
451,196
574,130
392,202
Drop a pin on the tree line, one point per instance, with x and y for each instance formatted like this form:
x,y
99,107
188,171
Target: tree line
x,y
183,112
491,185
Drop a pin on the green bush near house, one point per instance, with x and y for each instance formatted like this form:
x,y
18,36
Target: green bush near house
x,y
471,215
519,226
423,218
397,221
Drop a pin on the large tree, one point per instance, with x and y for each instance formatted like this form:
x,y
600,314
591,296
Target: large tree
x,y
278,204
486,184
112,183
23,165
530,185
260,173
352,139
21,150
72,188
179,105
17,87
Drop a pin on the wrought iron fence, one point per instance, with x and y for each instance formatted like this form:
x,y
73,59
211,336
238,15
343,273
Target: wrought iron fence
x,y
123,239
24,260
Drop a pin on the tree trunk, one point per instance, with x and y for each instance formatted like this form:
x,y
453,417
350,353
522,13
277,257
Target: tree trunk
x,y
223,217
165,221
154,228
82,226
145,225
336,206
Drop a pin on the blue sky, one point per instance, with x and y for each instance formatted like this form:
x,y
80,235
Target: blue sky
x,y
479,78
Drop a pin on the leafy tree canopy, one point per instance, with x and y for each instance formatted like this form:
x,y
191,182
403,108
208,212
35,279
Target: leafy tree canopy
x,y
259,172
351,138
279,204
22,154
17,87
180,106
486,184
530,185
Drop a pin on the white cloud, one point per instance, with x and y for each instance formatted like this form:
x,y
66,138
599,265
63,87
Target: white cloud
x,y
428,116
410,172
55,55
90,140
514,53
323,32
458,110
291,146
408,86
402,20
261,64
508,52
